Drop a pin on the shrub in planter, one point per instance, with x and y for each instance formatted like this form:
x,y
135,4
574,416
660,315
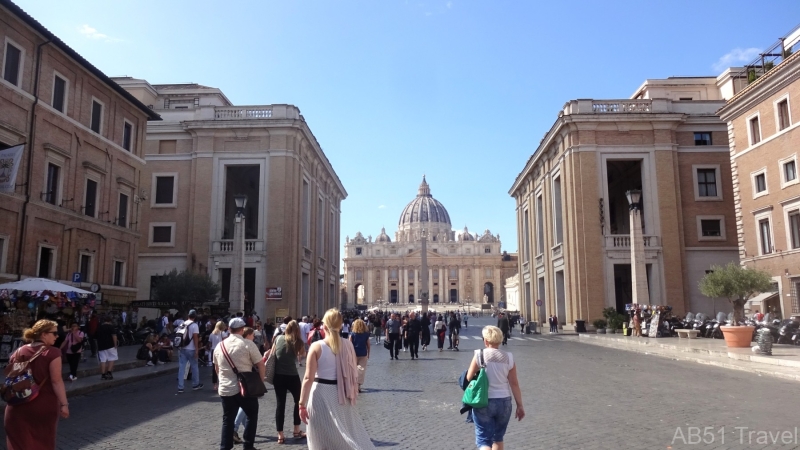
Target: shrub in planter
x,y
600,325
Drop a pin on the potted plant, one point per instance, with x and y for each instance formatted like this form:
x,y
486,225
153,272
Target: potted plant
x,y
600,325
610,314
737,284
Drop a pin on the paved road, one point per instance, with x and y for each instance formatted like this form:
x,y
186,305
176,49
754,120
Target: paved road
x,y
576,396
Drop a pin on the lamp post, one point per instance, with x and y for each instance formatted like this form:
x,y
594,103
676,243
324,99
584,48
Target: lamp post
x,y
641,293
237,271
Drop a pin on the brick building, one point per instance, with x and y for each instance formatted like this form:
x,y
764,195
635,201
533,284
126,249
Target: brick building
x,y
75,207
573,216
764,140
205,151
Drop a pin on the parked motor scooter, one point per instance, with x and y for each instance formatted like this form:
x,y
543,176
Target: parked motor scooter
x,y
141,334
787,330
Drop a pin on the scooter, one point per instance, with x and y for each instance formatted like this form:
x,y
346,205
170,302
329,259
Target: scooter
x,y
788,329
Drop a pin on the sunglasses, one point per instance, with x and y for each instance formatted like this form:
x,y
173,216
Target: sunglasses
x,y
54,333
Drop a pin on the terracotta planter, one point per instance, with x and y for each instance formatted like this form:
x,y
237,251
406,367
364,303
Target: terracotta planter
x,y
738,337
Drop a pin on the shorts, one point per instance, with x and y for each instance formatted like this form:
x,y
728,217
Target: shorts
x,y
491,422
108,355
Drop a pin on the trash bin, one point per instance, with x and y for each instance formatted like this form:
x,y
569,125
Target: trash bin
x,y
531,328
580,326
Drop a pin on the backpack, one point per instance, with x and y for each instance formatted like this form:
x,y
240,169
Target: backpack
x,y
317,336
181,337
19,386
143,353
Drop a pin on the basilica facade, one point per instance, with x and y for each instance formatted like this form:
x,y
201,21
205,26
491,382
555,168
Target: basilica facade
x,y
463,267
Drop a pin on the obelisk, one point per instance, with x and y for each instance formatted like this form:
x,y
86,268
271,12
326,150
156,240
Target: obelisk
x,y
424,279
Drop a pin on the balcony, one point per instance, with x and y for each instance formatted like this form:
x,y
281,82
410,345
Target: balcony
x,y
525,266
621,106
539,259
242,112
624,241
226,246
557,251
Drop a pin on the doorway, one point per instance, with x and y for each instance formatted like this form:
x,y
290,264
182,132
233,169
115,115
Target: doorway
x,y
488,291
453,295
561,300
623,288
393,296
410,298
435,298
622,176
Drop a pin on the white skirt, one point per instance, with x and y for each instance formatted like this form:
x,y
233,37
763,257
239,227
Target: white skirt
x,y
332,426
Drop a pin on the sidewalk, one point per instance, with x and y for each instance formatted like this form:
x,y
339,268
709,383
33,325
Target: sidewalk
x,y
127,369
783,363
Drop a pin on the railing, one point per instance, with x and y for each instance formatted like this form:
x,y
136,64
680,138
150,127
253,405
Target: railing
x,y
770,57
557,251
307,254
539,260
242,112
633,106
226,246
321,262
624,241
525,266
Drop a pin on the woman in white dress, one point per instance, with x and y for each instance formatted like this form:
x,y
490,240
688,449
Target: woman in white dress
x,y
330,388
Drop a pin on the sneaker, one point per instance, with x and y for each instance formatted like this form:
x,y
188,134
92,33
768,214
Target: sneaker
x,y
180,391
198,387
104,376
110,375
72,378
160,363
149,363
236,438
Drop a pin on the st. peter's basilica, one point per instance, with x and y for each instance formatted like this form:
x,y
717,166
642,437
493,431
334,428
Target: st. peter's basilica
x,y
462,267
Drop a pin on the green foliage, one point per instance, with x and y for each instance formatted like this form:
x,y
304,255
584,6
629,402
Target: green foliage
x,y
613,319
185,287
609,312
735,283
599,323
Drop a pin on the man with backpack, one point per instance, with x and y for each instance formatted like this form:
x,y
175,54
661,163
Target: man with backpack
x,y
187,341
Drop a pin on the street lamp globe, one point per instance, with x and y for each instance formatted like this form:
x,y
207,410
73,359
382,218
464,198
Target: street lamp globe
x,y
634,195
241,202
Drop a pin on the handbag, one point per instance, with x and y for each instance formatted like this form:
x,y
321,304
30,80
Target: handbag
x,y
76,347
387,345
476,394
250,383
270,366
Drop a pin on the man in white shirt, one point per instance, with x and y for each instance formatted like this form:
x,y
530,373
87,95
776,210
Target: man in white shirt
x,y
189,353
165,323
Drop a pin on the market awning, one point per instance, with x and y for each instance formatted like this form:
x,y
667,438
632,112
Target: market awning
x,y
759,299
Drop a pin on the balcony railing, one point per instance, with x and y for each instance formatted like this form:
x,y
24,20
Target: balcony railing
x,y
632,106
226,246
624,241
539,260
525,266
242,112
557,250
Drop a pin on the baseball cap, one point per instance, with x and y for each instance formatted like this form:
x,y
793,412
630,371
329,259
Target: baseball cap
x,y
236,322
192,312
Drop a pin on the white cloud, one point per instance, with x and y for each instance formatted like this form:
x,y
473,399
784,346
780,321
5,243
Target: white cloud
x,y
735,57
449,5
92,33
382,207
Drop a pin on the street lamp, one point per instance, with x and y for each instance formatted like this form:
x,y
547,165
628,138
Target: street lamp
x,y
237,271
641,293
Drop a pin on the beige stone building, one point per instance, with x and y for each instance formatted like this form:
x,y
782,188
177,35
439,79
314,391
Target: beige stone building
x,y
573,216
762,121
463,267
205,151
75,208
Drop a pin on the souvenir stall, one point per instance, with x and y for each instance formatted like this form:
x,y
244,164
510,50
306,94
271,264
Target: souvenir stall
x,y
24,302
650,316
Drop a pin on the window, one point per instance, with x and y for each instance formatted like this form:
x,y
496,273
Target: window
x,y
765,236
453,274
783,114
487,273
377,253
12,66
359,275
127,135
487,249
122,211
46,262
119,273
685,99
53,176
393,251
393,274
358,250
789,171
452,251
321,227
539,226
164,187
96,123
59,93
306,212
85,267
707,182
162,234
794,228
90,198
754,130
760,182
3,253
702,138
711,228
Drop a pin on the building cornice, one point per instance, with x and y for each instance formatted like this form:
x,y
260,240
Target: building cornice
x,y
761,89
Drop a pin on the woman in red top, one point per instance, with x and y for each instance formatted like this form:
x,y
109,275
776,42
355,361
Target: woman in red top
x,y
32,425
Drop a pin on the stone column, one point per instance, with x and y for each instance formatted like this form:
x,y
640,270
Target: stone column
x,y
237,270
641,293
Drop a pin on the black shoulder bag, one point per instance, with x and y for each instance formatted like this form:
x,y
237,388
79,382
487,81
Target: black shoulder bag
x,y
250,383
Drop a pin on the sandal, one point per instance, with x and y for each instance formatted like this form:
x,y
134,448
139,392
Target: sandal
x,y
281,440
299,435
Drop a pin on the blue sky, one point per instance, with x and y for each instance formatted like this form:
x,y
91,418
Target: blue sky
x,y
462,91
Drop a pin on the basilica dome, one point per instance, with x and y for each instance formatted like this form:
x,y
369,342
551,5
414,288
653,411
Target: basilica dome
x,y
424,209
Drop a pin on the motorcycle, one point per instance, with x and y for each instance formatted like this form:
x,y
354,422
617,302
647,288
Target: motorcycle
x,y
788,331
141,334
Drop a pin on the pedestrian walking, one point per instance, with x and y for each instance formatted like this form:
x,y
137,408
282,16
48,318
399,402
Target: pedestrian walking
x,y
503,325
491,422
413,333
32,425
73,348
360,339
189,352
637,323
93,326
288,348
330,390
441,330
107,348
425,322
555,324
466,319
455,327
215,338
393,336
244,356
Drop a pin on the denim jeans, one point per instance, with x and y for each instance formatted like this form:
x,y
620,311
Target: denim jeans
x,y
491,422
188,355
230,407
241,418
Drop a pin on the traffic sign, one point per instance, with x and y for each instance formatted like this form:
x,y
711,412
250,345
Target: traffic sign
x,y
538,303
76,277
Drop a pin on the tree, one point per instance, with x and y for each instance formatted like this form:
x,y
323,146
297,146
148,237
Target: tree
x,y
737,284
187,287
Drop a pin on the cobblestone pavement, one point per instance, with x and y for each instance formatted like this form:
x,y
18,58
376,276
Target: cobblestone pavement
x,y
576,396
